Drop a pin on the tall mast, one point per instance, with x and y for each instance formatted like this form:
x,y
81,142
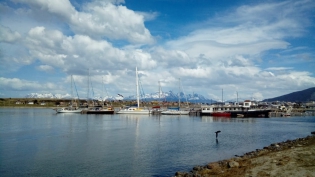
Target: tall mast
x,y
88,91
137,84
102,92
71,92
179,94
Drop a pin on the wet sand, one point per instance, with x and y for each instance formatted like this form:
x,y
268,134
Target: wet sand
x,y
285,159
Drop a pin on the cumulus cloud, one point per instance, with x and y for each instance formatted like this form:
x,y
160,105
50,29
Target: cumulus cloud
x,y
97,19
7,35
243,49
24,85
45,68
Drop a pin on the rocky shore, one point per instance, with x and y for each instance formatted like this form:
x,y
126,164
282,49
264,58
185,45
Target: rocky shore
x,y
285,159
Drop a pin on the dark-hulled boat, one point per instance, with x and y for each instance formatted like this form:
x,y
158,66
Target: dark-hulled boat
x,y
247,109
100,110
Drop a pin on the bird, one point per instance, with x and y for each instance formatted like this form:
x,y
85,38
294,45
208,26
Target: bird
x,y
216,134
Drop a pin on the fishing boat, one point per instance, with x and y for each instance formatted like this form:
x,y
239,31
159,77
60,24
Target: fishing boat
x,y
247,109
72,108
216,111
135,109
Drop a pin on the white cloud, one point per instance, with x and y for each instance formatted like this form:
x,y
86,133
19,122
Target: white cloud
x,y
24,85
6,35
278,68
97,19
45,68
228,51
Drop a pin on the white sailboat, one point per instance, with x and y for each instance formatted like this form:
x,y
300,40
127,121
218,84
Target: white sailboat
x,y
138,109
176,111
71,108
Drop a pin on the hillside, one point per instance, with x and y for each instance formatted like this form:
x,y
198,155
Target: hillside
x,y
299,96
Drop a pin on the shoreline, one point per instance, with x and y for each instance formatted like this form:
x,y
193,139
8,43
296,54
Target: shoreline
x,y
283,159
27,107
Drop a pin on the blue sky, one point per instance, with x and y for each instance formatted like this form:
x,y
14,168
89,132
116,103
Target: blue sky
x,y
258,49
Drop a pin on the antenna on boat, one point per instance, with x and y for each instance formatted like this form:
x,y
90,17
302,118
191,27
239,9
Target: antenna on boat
x,y
236,97
222,98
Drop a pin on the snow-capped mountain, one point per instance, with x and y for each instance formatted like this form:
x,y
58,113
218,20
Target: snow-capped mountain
x,y
163,96
47,95
170,96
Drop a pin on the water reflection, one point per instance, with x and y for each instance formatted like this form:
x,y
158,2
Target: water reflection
x,y
41,143
227,119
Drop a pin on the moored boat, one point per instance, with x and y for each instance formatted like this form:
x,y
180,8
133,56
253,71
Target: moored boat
x,y
175,112
73,105
69,110
100,110
134,110
247,109
217,110
138,109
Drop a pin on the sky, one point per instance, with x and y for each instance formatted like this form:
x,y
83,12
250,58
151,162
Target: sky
x,y
247,49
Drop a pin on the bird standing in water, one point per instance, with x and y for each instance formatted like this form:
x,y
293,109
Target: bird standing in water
x,y
216,134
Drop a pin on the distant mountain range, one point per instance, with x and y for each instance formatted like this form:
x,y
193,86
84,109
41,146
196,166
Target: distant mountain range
x,y
164,96
299,96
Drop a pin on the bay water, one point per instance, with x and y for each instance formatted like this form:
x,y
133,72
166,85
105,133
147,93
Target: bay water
x,y
39,142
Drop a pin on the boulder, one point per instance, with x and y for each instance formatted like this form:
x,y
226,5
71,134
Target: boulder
x,y
233,164
213,166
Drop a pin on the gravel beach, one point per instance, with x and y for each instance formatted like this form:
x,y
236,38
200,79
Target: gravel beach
x,y
284,159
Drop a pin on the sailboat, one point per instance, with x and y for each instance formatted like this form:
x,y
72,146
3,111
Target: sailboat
x,y
100,109
176,111
135,110
70,109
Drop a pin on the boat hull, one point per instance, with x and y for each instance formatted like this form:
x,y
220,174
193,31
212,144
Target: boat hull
x,y
221,114
133,112
172,112
256,114
101,112
65,110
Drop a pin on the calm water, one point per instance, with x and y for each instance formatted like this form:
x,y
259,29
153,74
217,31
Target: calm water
x,y
38,142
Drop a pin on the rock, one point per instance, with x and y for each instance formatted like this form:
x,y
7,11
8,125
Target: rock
x,y
180,174
213,166
198,168
233,164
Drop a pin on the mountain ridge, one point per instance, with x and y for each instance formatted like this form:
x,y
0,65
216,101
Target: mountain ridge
x,y
298,96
